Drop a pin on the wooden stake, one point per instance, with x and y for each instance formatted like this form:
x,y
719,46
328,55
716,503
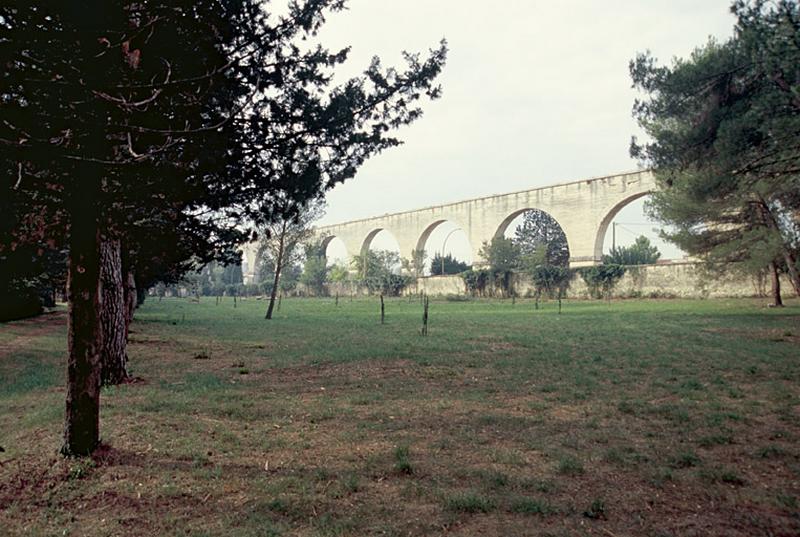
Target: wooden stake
x,y
383,312
425,315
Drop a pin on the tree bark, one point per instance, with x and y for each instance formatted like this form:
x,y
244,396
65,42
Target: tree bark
x,y
141,295
85,336
130,299
114,315
277,279
788,255
776,285
791,263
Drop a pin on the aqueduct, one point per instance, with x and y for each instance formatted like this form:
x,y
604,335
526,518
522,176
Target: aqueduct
x,y
584,209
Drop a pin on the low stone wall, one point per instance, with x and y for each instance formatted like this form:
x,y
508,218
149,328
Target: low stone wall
x,y
437,286
672,280
678,280
668,280
342,289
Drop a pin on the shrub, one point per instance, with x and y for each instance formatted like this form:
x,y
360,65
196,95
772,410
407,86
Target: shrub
x,y
552,281
601,279
476,281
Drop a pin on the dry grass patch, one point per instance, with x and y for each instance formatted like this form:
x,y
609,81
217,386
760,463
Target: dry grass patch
x,y
634,419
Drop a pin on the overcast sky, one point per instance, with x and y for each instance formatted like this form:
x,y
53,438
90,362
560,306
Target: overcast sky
x,y
535,93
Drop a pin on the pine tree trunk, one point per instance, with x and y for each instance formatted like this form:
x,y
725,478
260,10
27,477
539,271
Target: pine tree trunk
x,y
788,255
130,299
277,279
791,263
85,337
776,285
114,315
274,293
141,295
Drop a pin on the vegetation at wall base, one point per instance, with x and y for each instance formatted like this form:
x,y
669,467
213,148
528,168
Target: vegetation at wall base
x,y
601,279
477,280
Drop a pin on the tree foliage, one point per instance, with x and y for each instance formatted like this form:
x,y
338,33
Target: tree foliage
x,y
443,265
503,256
415,265
601,279
282,240
378,270
198,121
338,273
29,279
552,281
724,128
315,268
641,252
476,280
541,239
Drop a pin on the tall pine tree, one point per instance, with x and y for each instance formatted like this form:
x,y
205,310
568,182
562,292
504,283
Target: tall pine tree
x,y
540,236
184,117
724,126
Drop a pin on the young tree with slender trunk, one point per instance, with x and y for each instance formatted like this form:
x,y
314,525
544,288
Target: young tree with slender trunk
x,y
282,240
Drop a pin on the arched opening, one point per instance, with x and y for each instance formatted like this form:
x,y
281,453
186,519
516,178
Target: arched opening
x,y
447,248
335,252
537,236
383,247
626,224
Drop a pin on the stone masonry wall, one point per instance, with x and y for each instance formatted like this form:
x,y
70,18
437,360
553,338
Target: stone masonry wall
x,y
684,280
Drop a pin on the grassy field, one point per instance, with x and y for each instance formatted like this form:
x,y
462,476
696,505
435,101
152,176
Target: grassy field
x,y
635,418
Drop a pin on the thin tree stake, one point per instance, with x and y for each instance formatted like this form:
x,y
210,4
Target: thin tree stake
x,y
425,315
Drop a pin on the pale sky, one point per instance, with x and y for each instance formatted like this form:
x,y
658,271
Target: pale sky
x,y
535,93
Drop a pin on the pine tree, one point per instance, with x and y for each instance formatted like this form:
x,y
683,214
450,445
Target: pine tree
x,y
539,236
190,118
725,142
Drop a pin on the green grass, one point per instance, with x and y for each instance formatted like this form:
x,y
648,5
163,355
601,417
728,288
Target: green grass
x,y
503,421
469,502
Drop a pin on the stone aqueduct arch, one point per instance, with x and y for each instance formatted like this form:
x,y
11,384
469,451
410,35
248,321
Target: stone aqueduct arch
x,y
584,209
